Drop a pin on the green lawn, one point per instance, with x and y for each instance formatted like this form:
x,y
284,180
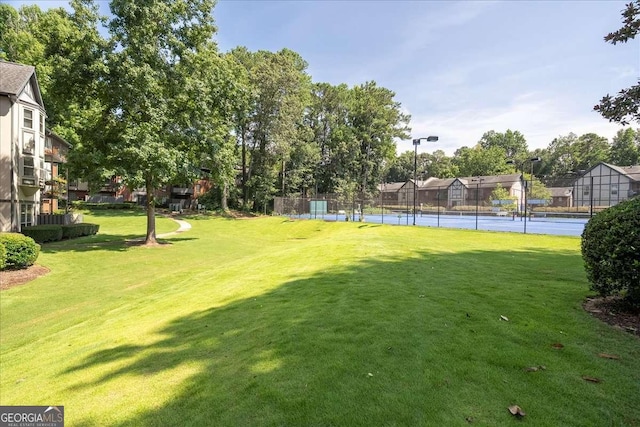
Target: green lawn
x,y
309,323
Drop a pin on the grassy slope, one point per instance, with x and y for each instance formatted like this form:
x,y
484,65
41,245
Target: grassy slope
x,y
273,322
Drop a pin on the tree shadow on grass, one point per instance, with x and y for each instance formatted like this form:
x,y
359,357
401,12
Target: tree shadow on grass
x,y
106,242
386,342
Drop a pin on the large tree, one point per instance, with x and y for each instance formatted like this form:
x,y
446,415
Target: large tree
x,y
513,143
327,118
625,147
269,128
165,98
590,149
478,161
376,121
625,107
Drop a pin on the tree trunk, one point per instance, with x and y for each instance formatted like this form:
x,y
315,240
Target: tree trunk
x,y
225,196
245,194
151,214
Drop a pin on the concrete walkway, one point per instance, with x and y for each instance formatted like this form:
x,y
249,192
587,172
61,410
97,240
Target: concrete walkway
x,y
184,226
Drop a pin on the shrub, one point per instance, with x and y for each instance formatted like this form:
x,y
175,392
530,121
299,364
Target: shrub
x,y
21,251
81,205
43,233
76,230
611,250
3,256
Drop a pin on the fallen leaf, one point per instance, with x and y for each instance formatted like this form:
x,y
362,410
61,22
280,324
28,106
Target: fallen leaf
x,y
557,345
370,374
469,419
516,411
420,296
504,318
609,356
535,368
591,379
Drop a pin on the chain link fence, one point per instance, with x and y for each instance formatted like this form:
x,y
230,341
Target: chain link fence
x,y
571,198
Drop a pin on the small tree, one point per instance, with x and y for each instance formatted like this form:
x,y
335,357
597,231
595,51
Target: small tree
x,y
537,190
501,193
611,250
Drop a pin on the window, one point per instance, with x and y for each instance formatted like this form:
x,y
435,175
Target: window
x,y
614,190
28,119
47,169
586,190
26,214
48,144
28,167
41,123
456,191
28,143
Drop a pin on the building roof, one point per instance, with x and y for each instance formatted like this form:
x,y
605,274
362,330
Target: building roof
x,y
431,183
560,191
487,181
391,186
15,77
493,179
58,138
439,183
632,172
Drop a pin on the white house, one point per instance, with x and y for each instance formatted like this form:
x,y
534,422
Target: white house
x,y
22,146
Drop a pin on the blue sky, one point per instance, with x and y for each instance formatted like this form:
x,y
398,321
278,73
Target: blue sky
x,y
459,68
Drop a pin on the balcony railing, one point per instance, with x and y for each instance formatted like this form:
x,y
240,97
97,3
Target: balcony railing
x,y
181,191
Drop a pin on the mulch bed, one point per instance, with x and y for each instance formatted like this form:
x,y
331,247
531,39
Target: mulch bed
x,y
11,278
614,311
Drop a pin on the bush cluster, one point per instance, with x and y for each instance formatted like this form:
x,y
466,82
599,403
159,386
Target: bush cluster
x,y
611,250
17,251
77,230
80,204
53,233
3,256
43,233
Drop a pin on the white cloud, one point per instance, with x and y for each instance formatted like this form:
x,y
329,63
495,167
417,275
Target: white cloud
x,y
540,119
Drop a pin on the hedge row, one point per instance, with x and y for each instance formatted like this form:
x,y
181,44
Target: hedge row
x,y
17,251
53,233
79,204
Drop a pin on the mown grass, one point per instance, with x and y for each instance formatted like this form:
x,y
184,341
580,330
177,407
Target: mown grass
x,y
278,322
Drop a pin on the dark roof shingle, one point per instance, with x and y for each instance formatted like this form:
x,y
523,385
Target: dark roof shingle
x,y
14,77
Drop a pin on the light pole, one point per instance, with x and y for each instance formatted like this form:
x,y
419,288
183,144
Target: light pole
x,y
416,142
520,167
478,181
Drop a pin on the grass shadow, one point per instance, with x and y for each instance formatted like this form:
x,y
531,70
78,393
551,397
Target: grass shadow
x,y
109,242
385,342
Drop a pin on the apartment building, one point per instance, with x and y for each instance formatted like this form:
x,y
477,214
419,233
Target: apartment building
x,y
22,146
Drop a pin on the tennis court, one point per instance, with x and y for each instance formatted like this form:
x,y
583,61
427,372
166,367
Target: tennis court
x,y
543,225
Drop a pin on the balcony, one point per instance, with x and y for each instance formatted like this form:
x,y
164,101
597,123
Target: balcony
x,y
29,186
53,157
181,191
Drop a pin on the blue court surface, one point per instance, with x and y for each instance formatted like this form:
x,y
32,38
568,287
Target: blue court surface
x,y
556,226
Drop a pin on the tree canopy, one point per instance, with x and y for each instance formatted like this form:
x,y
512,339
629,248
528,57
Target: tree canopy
x,y
625,107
